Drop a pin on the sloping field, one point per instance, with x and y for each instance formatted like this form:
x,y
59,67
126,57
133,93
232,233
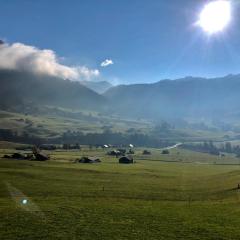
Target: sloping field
x,y
158,197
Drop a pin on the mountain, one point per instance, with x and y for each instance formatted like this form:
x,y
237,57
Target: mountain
x,y
188,97
21,88
99,87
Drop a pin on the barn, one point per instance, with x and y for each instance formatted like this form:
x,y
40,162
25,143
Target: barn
x,y
146,152
39,155
89,160
126,159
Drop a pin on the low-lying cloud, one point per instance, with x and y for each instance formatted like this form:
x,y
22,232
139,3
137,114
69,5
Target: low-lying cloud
x,y
106,63
21,57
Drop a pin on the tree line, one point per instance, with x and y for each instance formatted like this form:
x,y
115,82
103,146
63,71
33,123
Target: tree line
x,y
211,148
77,137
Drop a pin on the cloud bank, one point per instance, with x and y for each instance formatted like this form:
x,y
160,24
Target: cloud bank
x,y
106,63
21,57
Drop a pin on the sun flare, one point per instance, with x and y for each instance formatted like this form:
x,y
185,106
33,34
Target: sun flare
x,y
215,16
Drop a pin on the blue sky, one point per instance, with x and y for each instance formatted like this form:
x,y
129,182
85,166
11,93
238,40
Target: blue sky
x,y
147,40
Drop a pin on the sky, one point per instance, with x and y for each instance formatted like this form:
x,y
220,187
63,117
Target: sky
x,y
126,41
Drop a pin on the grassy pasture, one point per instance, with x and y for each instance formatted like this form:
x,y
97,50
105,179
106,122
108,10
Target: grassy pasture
x,y
48,124
184,195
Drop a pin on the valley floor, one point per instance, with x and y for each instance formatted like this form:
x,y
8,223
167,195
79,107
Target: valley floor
x,y
184,195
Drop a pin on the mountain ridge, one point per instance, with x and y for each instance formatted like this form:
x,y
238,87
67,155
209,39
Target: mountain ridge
x,y
23,88
97,86
186,97
167,99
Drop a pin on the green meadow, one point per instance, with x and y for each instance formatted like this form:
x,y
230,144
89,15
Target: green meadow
x,y
183,195
53,122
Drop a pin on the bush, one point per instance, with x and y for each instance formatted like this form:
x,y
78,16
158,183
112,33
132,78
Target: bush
x,y
165,151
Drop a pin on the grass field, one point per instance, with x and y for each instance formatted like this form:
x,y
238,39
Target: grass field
x,y
184,195
49,125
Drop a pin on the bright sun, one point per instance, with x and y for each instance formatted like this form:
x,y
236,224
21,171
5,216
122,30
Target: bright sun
x,y
215,16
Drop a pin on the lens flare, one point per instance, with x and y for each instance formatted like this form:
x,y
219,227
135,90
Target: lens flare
x,y
215,16
24,201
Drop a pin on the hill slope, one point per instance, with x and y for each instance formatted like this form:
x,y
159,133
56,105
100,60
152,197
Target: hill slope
x,y
99,87
20,88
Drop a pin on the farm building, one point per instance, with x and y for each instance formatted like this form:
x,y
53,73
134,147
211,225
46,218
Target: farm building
x,y
130,151
48,147
19,156
146,152
126,159
89,160
122,151
115,153
39,155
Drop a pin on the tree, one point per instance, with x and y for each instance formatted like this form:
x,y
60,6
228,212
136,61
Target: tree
x,y
165,151
228,147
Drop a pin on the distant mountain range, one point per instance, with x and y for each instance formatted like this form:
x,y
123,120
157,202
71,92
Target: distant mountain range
x,y
188,97
198,98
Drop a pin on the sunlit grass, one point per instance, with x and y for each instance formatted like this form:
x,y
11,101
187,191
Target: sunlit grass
x,y
187,198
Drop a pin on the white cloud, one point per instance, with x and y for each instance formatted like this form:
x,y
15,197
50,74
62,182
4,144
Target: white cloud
x,y
106,63
23,57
